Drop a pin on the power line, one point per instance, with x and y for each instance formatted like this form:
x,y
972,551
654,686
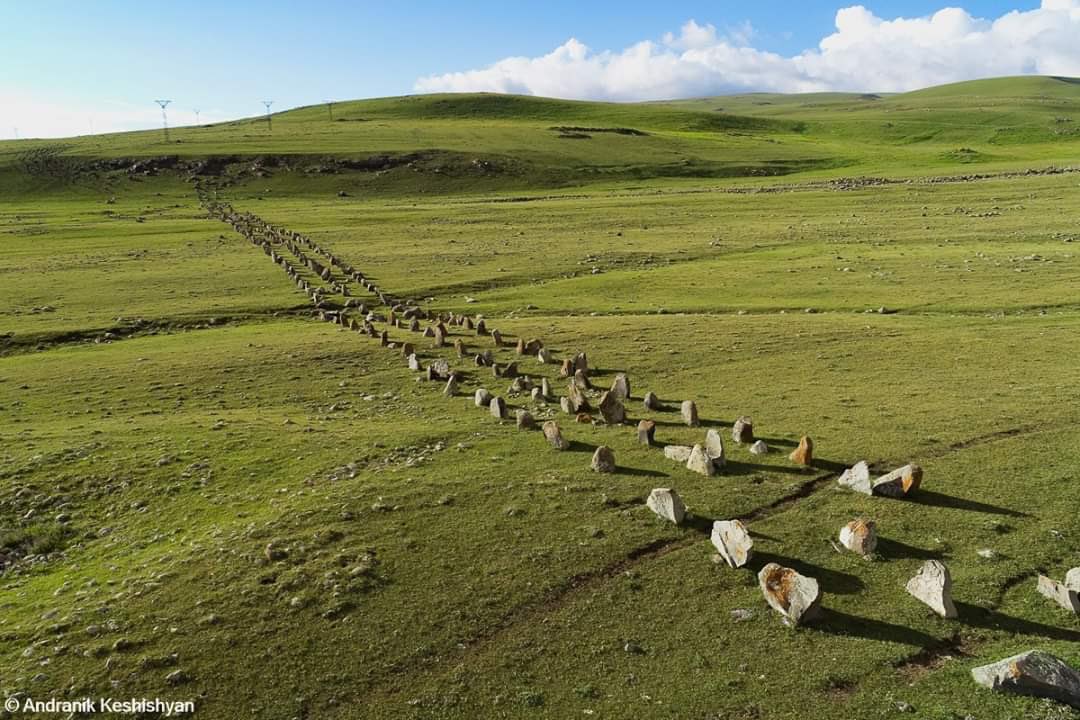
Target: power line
x,y
164,118
268,103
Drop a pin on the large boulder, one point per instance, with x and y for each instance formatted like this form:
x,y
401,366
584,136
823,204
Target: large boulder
x,y
525,420
732,540
603,460
621,387
742,431
611,408
859,536
857,477
1036,673
933,586
497,406
699,461
900,482
578,402
667,504
482,398
796,597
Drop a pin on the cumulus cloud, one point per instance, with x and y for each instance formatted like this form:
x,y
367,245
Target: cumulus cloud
x,y
865,53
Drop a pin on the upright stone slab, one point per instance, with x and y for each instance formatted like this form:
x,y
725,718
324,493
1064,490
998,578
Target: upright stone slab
x,y
414,363
582,380
1036,673
651,402
407,349
714,448
700,462
900,482
520,347
554,436
459,348
481,327
566,370
804,454
742,431
1059,593
933,586
857,478
441,368
525,420
451,387
621,387
732,540
859,536
796,597
690,414
497,406
544,356
646,431
603,460
482,398
581,363
667,504
545,388
440,336
611,408
578,401
496,338
564,405
1072,579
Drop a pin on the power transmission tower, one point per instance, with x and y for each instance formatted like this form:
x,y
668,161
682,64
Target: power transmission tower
x,y
164,118
196,117
269,124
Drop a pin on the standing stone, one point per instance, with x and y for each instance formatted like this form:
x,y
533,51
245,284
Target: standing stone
x,y
525,420
857,477
497,406
742,431
699,461
414,363
429,332
440,336
581,363
1036,673
603,460
1072,579
621,387
554,436
714,448
732,540
933,586
441,368
651,401
578,401
678,453
533,347
414,325
384,338
407,349
804,454
520,348
796,597
1059,593
482,398
582,380
465,322
667,504
451,387
646,431
900,482
537,395
612,409
859,536
689,413
459,348
564,405
759,448
511,370
544,356
481,327
496,338
567,368
545,388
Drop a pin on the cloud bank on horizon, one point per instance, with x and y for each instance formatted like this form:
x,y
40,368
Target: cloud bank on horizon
x,y
866,53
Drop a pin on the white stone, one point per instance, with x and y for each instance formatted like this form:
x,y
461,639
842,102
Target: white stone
x,y
1035,673
857,478
759,448
1072,579
714,448
859,536
1059,593
796,597
933,586
700,462
678,453
667,504
732,540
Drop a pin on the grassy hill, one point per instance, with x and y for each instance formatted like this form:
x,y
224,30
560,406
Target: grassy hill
x,y
206,493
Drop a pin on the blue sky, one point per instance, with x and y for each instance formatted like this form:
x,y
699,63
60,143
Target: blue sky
x,y
65,66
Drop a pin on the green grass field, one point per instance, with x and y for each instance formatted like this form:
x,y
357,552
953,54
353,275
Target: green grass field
x,y
208,494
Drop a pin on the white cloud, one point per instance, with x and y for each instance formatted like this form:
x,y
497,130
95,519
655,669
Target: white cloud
x,y
33,116
865,53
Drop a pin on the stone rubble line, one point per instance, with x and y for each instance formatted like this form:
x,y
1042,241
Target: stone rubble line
x,y
794,596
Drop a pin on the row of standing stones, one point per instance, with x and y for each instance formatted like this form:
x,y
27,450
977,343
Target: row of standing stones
x,y
796,597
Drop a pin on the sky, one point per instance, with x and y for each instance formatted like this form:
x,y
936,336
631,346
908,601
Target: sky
x,y
73,68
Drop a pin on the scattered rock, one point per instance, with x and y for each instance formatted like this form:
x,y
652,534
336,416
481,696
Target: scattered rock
x,y
525,420
859,536
497,406
678,453
689,413
564,405
796,597
544,356
900,482
414,363
732,540
1035,673
576,396
451,387
1059,593
603,460
1072,579
743,430
667,504
646,431
933,586
545,388
759,448
621,387
714,448
699,461
857,477
804,454
482,398
554,436
611,408
651,401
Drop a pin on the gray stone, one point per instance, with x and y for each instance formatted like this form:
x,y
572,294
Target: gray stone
x,y
578,402
900,482
732,540
1072,579
536,395
743,430
933,586
554,436
581,363
414,363
667,504
564,403
441,368
689,413
857,477
621,387
646,432
700,462
1059,593
545,388
544,356
714,448
603,460
759,448
451,387
497,407
611,408
678,453
1036,673
796,597
482,398
651,401
525,420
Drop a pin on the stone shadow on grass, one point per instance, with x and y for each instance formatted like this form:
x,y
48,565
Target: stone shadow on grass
x,y
994,620
835,622
936,499
896,550
831,581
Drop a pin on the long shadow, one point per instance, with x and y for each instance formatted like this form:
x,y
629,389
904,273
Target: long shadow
x,y
832,581
829,465
936,499
581,447
835,622
639,472
896,550
737,468
701,523
994,620
777,442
